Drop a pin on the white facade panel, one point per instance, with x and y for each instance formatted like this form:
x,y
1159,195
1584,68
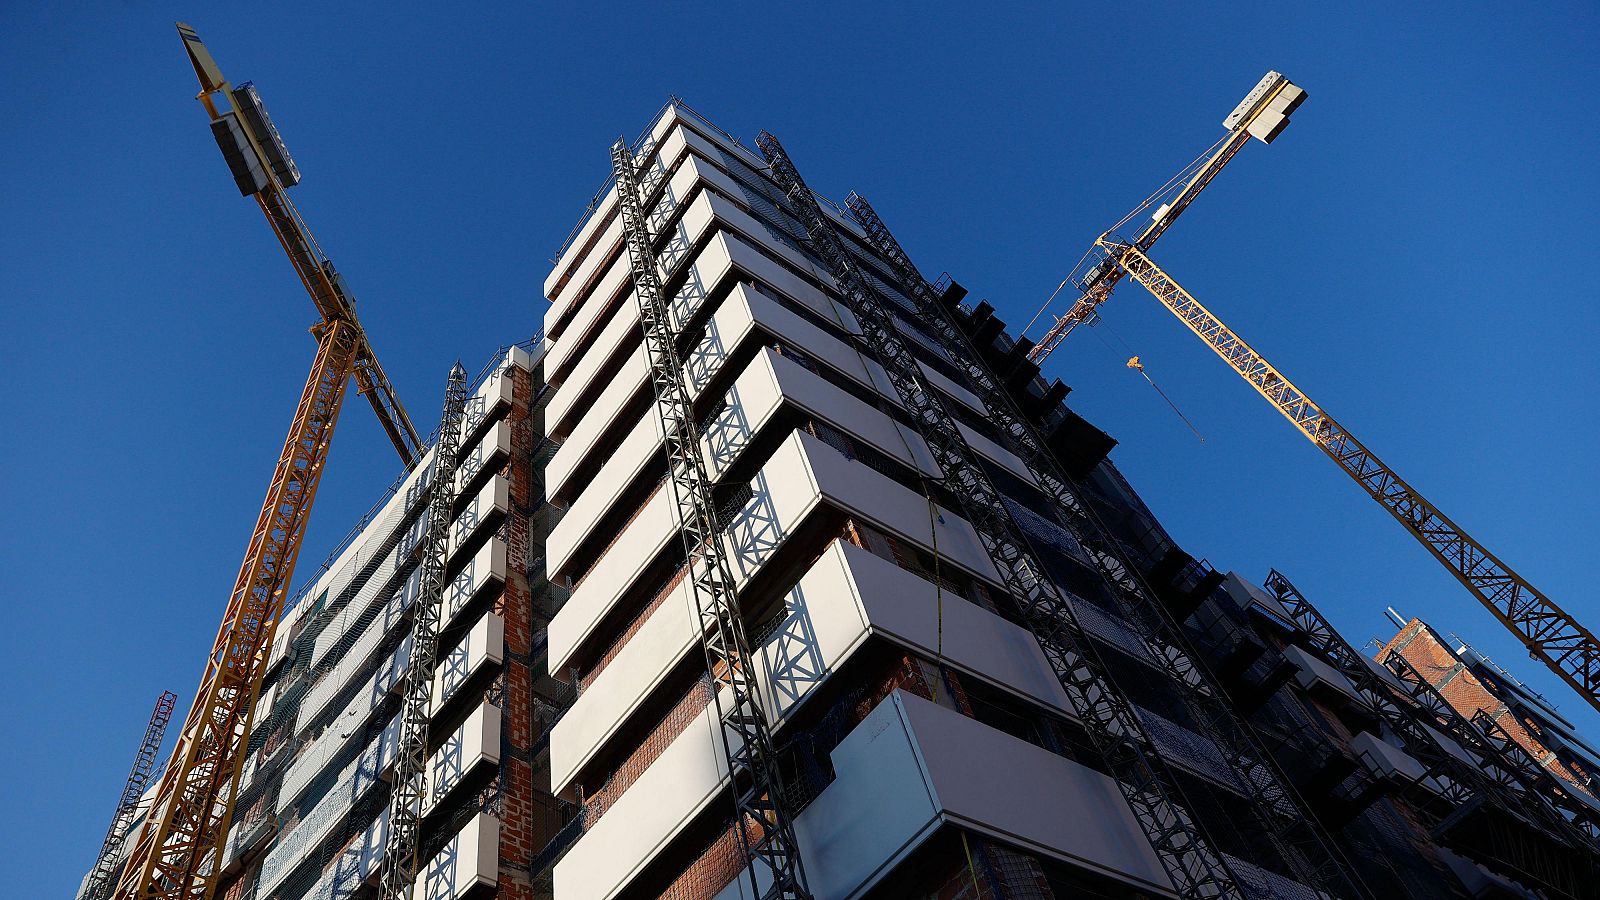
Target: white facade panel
x,y
847,594
910,766
476,743
494,497
486,569
801,473
491,449
472,858
483,645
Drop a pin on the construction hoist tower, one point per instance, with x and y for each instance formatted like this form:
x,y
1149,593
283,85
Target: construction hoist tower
x,y
762,821
409,794
144,761
1277,816
1551,634
1491,770
179,848
1196,868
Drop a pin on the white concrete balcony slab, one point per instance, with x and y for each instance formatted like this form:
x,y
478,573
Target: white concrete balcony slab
x,y
470,860
913,762
591,317
485,572
492,398
598,418
904,772
769,382
746,312
1315,675
705,210
483,512
339,631
473,745
688,176
621,331
355,557
1386,760
318,821
377,687
753,398
600,238
658,158
483,646
847,596
725,255
354,664
486,454
355,864
802,473
414,534
1249,596
1390,762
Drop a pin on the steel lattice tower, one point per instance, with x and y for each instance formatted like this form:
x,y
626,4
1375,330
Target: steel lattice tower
x,y
763,823
410,791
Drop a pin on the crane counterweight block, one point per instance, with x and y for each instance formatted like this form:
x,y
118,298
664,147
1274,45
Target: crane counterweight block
x,y
243,161
248,102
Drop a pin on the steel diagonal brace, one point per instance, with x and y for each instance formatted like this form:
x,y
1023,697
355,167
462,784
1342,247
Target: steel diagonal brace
x,y
1469,785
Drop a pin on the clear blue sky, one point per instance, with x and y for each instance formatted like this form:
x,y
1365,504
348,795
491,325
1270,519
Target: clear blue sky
x,y
1416,251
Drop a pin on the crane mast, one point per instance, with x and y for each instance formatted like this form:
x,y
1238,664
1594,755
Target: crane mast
x,y
178,851
1551,635
1262,114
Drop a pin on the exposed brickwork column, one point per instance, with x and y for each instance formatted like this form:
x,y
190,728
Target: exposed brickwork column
x,y
520,836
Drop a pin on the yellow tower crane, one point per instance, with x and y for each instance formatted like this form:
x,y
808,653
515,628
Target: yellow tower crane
x,y
1262,114
1550,634
178,850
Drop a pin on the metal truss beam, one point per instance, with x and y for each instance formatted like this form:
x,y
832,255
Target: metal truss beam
x,y
1461,787
1550,634
144,762
180,846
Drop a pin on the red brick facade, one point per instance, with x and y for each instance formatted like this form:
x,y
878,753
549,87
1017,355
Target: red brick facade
x,y
1468,693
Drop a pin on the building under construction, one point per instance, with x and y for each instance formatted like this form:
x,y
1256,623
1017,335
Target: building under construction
x,y
1476,685
773,569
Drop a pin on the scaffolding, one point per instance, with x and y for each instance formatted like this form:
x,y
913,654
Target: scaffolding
x,y
1500,756
1197,870
1450,787
762,820
410,785
1280,817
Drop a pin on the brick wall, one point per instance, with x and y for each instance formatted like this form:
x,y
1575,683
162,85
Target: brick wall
x,y
1468,693
524,826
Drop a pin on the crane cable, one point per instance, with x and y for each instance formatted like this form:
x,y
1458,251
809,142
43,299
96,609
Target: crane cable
x,y
1136,365
1181,176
